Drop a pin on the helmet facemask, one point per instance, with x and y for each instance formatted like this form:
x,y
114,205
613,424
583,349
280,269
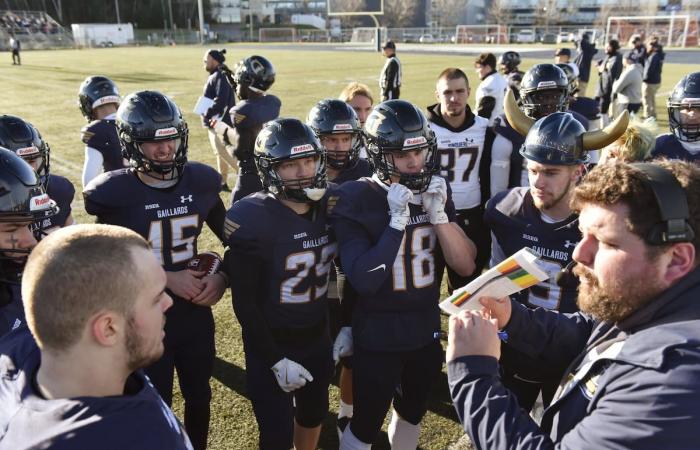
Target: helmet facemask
x,y
344,159
301,190
539,103
418,182
678,120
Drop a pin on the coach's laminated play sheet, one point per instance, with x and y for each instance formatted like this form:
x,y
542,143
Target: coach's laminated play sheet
x,y
518,272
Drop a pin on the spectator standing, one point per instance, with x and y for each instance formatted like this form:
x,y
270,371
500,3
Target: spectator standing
x,y
628,88
15,46
586,50
652,77
609,70
390,79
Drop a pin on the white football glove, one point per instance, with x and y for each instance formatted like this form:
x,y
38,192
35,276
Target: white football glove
x,y
290,375
398,198
434,199
342,346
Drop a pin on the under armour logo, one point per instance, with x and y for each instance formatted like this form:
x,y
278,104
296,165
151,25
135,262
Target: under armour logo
x,y
184,198
568,244
16,324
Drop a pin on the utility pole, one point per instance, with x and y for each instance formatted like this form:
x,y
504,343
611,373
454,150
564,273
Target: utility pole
x,y
201,21
116,7
170,14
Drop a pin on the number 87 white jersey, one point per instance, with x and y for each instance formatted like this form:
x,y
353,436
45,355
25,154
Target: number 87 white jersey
x,y
460,151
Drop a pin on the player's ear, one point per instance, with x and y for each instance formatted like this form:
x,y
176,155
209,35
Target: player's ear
x,y
106,327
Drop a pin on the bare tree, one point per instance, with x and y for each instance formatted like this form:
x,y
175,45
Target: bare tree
x,y
499,13
448,13
399,13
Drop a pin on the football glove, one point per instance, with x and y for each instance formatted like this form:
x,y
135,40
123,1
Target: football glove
x,y
342,346
290,375
434,199
398,198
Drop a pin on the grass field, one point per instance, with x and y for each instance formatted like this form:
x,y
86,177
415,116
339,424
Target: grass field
x,y
44,91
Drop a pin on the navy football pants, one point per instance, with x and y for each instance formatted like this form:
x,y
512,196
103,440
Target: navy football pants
x,y
189,348
378,378
274,409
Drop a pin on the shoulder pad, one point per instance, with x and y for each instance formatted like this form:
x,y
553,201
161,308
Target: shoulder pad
x,y
88,131
201,177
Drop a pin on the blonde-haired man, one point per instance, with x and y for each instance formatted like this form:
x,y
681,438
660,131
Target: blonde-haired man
x,y
95,302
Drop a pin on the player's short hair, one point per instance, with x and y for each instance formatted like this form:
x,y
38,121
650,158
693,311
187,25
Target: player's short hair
x,y
636,142
73,274
486,59
453,73
354,89
619,182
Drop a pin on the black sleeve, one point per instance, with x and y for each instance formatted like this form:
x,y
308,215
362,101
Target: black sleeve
x,y
616,69
391,73
245,270
348,297
246,142
485,107
485,166
215,220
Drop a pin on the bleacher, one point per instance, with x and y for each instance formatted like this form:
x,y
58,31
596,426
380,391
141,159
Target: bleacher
x,y
34,29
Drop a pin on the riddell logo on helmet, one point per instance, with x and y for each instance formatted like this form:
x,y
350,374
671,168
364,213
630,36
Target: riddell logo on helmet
x,y
342,126
106,99
27,151
694,101
302,148
163,132
39,202
545,84
414,141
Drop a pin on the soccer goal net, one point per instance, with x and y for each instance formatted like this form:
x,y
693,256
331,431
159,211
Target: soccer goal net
x,y
366,35
676,30
481,34
277,35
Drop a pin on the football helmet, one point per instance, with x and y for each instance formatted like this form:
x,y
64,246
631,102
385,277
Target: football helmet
x,y
398,126
329,117
22,200
571,77
282,140
684,97
96,91
559,138
149,116
544,90
509,61
24,139
255,72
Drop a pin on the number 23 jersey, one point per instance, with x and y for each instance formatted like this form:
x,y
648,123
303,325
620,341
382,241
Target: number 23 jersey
x,y
169,219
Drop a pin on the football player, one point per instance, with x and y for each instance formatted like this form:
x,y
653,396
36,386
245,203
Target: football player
x,y
252,76
508,62
337,127
462,141
98,99
541,218
167,199
22,203
585,106
279,257
684,119
491,90
24,139
544,90
395,262
95,300
219,90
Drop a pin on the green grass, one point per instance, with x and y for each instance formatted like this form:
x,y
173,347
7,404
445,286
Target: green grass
x,y
44,91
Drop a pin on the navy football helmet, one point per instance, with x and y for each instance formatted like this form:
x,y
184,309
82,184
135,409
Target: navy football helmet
x,y
332,116
96,91
685,96
544,90
283,140
255,73
149,116
24,139
22,200
509,61
556,139
398,126
570,77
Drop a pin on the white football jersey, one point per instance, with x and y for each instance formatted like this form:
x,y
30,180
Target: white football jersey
x,y
494,86
460,155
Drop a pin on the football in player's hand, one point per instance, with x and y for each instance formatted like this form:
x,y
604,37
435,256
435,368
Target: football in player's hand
x,y
208,262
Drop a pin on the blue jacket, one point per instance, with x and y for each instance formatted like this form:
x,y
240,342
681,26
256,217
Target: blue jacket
x,y
640,391
652,68
218,89
586,50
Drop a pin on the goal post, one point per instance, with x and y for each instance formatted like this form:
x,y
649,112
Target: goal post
x,y
366,35
675,30
481,34
277,35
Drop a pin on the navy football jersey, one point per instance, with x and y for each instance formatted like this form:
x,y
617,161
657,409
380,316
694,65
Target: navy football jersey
x,y
516,223
296,252
585,106
668,146
397,304
254,112
139,419
61,191
102,136
169,219
12,313
360,169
